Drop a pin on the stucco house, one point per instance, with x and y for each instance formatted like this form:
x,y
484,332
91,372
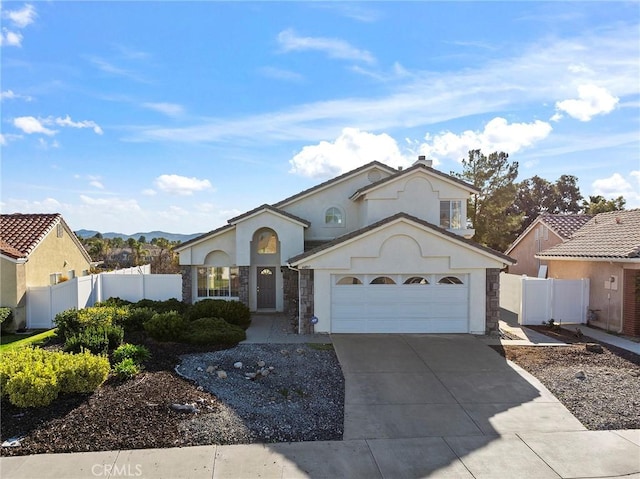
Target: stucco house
x,y
374,250
607,251
547,230
36,250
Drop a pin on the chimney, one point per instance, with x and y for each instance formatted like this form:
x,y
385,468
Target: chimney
x,y
422,160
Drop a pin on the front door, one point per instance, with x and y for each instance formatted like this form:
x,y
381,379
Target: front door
x,y
266,287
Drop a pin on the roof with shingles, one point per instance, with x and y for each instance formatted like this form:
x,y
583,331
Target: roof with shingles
x,y
21,233
409,170
565,225
378,224
615,234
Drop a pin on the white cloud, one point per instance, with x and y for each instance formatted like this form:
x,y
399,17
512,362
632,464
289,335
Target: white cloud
x,y
281,74
617,185
149,192
30,125
9,38
48,205
333,47
112,204
498,135
67,121
351,149
45,145
181,185
96,184
22,18
592,100
11,95
169,109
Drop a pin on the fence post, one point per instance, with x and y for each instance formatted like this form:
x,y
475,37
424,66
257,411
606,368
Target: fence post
x,y
523,299
551,298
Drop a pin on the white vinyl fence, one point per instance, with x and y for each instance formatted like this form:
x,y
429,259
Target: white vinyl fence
x,y
44,302
535,300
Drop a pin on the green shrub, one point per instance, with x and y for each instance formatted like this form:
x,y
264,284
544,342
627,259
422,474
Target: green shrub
x,y
137,318
163,306
169,326
113,301
126,369
73,322
97,339
210,331
5,315
138,354
67,323
233,312
35,377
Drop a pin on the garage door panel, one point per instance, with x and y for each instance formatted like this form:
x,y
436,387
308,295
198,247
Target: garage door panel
x,y
399,308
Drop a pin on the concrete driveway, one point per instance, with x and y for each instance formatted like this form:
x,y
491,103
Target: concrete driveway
x,y
423,385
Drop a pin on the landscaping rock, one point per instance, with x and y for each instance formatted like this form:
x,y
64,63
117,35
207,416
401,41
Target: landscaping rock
x,y
211,369
580,375
222,374
237,365
188,408
261,364
593,348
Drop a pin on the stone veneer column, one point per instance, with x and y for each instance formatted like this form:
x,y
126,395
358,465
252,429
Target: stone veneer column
x,y
290,292
306,301
243,293
187,284
493,300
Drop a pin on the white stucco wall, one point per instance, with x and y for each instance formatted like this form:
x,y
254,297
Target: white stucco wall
x,y
225,242
403,248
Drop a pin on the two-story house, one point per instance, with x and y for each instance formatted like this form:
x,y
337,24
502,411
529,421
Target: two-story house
x,y
375,250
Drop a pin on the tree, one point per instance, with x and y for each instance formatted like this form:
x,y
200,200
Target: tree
x,y
489,210
598,204
142,239
536,196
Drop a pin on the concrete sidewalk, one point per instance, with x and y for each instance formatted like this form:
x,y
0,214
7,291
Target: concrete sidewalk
x,y
584,454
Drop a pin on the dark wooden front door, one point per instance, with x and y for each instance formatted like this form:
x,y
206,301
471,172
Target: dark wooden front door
x,y
266,287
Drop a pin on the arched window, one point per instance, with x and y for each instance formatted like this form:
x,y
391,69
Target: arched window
x,y
349,280
266,241
450,280
416,280
383,280
334,217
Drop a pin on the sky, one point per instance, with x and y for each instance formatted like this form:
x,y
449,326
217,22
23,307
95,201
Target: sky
x,y
176,116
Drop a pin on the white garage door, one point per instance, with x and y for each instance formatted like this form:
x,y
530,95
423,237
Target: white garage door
x,y
400,304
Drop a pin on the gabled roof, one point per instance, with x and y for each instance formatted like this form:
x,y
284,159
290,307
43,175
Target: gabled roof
x,y
390,219
273,209
337,179
563,225
21,233
612,235
203,237
416,166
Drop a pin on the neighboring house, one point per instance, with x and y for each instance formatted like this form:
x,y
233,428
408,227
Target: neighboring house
x,y
546,231
607,251
373,250
36,250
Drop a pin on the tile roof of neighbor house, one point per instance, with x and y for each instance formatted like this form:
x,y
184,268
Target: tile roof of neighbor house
x,y
615,234
564,225
383,222
21,233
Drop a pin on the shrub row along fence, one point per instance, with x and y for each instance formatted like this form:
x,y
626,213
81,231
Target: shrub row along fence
x,y
43,303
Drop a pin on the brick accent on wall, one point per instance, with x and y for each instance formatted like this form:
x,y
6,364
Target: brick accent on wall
x,y
290,292
493,300
306,301
187,284
243,293
631,302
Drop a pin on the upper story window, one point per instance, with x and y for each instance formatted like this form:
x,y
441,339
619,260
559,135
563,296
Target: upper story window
x,y
451,214
266,242
334,217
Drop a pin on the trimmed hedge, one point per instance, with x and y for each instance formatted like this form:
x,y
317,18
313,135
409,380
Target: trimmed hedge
x,y
169,326
163,306
210,331
97,339
35,377
138,354
73,322
233,312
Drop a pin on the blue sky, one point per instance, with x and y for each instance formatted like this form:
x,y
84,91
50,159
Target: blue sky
x,y
136,116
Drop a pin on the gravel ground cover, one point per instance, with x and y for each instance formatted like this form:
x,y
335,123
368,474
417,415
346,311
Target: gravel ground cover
x,y
601,389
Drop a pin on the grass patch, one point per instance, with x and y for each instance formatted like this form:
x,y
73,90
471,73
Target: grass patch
x,y
34,338
320,346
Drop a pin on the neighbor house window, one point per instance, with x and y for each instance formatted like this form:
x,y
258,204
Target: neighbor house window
x,y
334,217
451,214
218,282
267,242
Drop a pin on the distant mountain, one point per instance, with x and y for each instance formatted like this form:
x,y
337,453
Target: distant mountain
x,y
148,236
